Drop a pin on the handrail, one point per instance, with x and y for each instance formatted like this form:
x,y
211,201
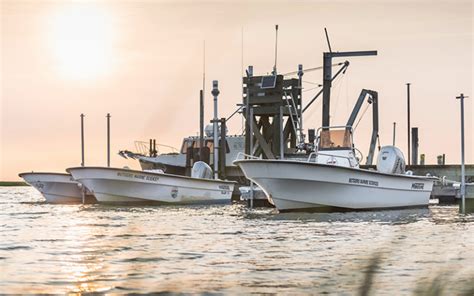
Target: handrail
x,y
242,156
143,147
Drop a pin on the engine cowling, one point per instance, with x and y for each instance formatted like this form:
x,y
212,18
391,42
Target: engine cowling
x,y
201,170
391,160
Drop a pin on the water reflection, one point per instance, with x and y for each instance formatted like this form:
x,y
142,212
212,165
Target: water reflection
x,y
225,249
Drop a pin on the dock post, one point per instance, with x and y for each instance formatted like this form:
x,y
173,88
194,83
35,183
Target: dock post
x,y
108,139
201,124
414,146
82,139
215,93
463,172
282,147
251,153
222,149
408,122
394,131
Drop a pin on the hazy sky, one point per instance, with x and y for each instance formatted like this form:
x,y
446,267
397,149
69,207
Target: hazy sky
x,y
142,62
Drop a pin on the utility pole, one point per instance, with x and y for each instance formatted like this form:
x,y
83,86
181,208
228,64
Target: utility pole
x,y
108,139
463,172
408,121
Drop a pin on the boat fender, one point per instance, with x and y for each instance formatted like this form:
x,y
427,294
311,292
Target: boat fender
x,y
409,173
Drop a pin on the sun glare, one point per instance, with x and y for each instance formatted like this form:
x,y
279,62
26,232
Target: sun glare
x,y
82,41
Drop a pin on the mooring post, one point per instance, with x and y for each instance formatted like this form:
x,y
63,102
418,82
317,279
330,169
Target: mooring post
x,y
251,153
414,146
215,93
82,139
222,149
282,147
408,121
394,131
83,195
201,125
108,139
463,172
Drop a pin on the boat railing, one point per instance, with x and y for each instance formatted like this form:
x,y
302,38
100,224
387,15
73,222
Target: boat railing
x,y
143,148
316,154
242,156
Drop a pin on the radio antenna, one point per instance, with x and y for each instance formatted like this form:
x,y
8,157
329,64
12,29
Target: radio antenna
x,y
276,50
327,39
204,70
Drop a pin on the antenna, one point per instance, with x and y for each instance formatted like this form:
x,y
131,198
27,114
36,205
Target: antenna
x,y
276,50
204,71
327,39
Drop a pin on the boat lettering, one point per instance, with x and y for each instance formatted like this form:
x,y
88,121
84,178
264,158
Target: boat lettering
x,y
138,176
363,182
124,174
224,187
417,186
152,178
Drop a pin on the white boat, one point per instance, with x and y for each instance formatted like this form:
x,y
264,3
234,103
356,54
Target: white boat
x,y
115,185
175,161
330,178
55,187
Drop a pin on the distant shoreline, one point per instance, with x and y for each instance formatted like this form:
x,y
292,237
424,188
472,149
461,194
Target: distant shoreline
x,y
13,183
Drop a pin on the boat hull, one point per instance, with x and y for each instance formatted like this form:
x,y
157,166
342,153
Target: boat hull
x,y
110,185
301,186
55,187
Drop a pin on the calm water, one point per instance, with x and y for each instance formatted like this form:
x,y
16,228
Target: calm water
x,y
229,249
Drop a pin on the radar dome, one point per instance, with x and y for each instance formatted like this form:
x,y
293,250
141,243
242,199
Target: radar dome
x,y
209,130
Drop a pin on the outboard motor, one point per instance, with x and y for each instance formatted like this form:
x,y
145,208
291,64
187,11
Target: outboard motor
x,y
390,160
201,170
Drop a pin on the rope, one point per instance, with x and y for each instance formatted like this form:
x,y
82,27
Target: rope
x,y
362,116
338,86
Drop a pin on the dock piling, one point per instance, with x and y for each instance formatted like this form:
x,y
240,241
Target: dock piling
x,y
82,139
408,122
215,93
108,139
463,172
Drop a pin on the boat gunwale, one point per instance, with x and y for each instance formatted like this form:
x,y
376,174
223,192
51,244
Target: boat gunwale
x,y
426,178
43,173
152,173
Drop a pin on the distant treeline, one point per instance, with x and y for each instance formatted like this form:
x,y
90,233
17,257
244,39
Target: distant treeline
x,y
6,183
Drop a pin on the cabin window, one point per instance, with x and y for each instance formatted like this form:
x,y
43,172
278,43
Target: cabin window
x,y
186,145
335,140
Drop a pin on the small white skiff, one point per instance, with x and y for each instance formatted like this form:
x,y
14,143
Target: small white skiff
x,y
331,180
55,187
115,185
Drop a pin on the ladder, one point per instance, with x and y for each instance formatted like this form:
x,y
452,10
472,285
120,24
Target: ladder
x,y
296,120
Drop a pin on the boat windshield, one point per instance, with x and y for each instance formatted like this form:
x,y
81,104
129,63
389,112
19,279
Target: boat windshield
x,y
335,139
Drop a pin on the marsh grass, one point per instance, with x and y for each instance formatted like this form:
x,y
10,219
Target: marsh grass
x,y
437,286
7,183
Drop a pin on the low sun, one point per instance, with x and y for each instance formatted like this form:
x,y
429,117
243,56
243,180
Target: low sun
x,y
82,38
